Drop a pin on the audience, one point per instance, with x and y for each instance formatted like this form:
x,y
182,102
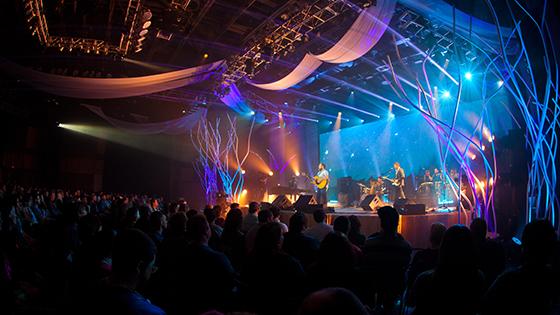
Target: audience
x,y
250,219
426,259
491,256
264,216
332,301
355,234
456,276
274,280
134,256
276,218
533,287
233,239
94,253
386,258
320,229
297,244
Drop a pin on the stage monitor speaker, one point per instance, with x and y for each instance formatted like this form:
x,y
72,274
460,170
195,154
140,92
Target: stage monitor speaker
x,y
412,209
306,202
400,203
368,203
282,202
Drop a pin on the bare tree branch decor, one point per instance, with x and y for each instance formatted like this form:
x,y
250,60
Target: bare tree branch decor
x,y
219,164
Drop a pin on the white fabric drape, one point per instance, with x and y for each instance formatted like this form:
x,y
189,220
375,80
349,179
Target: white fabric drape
x,y
170,127
363,35
105,88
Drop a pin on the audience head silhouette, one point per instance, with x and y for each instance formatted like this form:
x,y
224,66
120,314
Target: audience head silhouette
x,y
198,229
479,229
539,241
389,218
457,251
269,239
134,254
264,216
341,224
332,301
298,222
437,231
319,216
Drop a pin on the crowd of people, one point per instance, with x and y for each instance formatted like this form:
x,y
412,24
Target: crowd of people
x,y
100,253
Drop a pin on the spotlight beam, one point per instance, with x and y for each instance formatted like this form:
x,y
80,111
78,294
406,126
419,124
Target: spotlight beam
x,y
321,99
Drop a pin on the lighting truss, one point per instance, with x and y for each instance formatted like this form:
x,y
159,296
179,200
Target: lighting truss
x,y
283,38
133,21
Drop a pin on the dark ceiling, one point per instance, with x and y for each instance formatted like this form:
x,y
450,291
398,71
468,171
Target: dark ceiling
x,y
188,33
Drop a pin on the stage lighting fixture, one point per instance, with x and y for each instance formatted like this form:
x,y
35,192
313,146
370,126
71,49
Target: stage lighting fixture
x,y
285,103
58,124
446,94
361,121
468,75
270,173
500,83
266,120
205,56
351,92
391,116
330,122
339,113
243,172
244,192
297,174
252,113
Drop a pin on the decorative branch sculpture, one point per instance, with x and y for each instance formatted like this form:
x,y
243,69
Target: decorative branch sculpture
x,y
220,164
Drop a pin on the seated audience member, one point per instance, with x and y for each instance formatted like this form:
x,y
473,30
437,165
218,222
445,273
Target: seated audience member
x,y
191,213
426,259
335,265
491,257
233,239
355,235
276,218
274,280
202,280
216,230
332,301
174,240
132,216
234,205
297,244
320,229
134,255
533,287
342,225
251,219
264,216
456,285
157,224
386,257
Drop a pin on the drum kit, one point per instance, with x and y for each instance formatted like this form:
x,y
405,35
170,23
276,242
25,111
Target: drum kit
x,y
380,191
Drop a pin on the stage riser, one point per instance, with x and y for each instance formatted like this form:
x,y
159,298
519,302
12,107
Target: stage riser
x,y
414,228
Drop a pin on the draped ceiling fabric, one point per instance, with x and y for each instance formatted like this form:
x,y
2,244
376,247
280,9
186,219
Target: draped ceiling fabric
x,y
170,127
105,88
234,100
363,35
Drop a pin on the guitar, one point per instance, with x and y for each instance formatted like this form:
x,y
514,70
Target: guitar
x,y
318,182
394,182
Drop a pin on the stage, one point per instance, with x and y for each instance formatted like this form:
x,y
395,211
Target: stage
x,y
414,228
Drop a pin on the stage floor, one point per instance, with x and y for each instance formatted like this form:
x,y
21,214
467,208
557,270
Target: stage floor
x,y
414,228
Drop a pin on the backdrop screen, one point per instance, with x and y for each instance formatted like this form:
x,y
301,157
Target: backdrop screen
x,y
370,149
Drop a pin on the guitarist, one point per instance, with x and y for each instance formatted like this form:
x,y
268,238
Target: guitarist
x,y
322,175
398,182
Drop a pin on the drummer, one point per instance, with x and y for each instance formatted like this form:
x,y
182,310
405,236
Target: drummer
x,y
427,177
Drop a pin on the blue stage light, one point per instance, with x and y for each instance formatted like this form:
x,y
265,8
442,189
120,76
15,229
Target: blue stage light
x,y
361,121
500,83
468,75
252,113
330,122
391,116
445,94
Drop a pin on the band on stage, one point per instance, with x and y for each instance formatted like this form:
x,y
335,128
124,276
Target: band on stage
x,y
390,189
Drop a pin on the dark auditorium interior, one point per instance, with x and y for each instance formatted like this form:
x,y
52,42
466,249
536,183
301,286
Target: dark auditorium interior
x,y
282,157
